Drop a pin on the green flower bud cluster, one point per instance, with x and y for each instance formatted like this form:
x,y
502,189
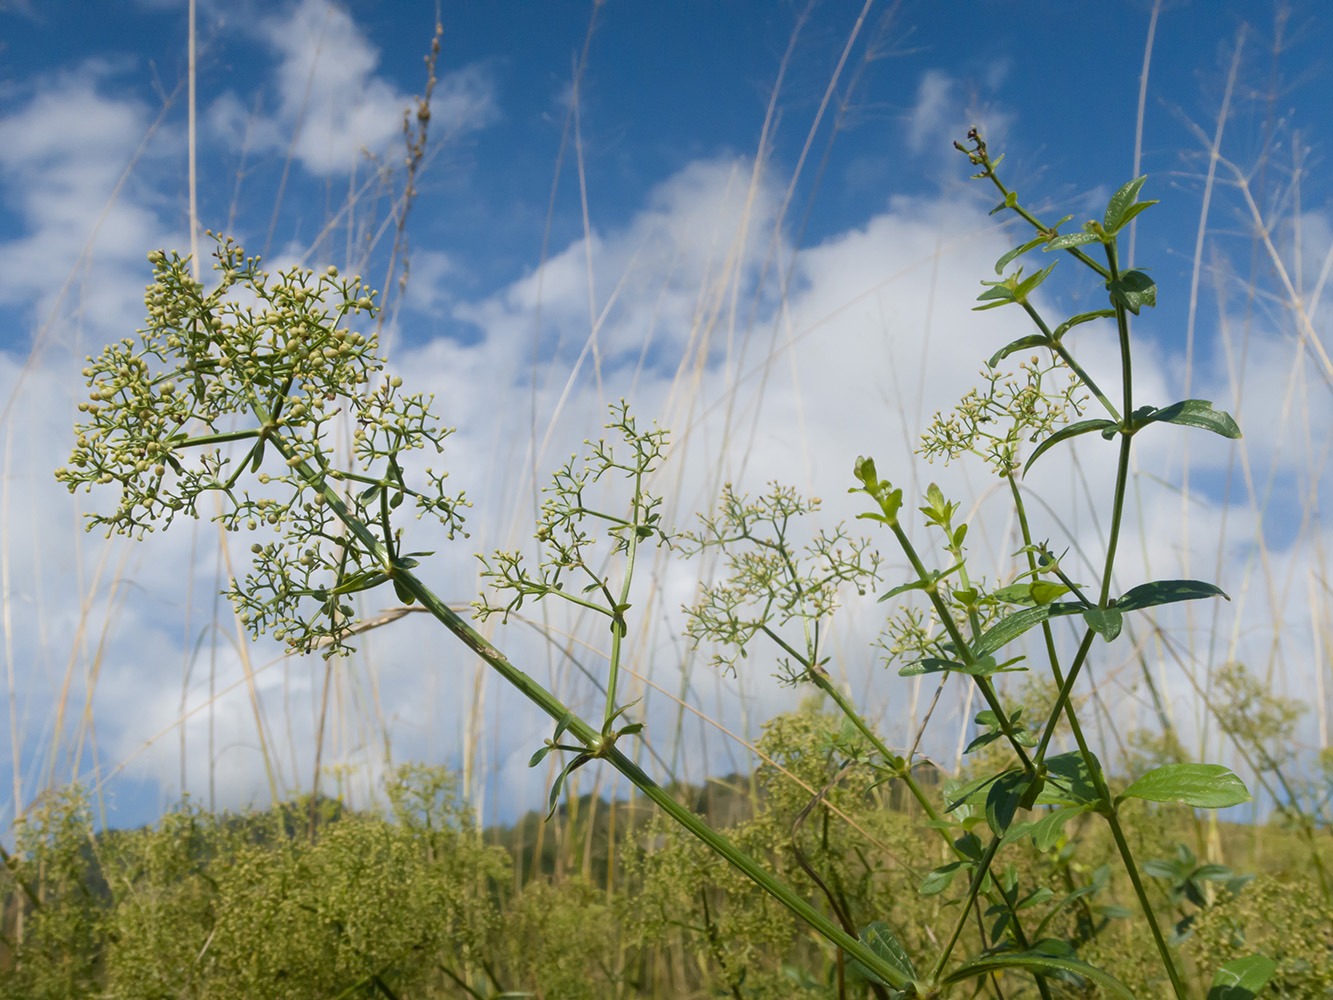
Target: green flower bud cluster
x,y
1013,408
567,527
769,583
269,364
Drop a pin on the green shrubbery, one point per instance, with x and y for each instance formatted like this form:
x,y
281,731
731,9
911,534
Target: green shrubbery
x,y
415,903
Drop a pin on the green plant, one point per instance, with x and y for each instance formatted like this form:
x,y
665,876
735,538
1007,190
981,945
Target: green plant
x,y
278,355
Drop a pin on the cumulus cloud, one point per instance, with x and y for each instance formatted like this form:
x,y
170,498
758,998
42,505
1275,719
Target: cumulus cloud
x,y
331,104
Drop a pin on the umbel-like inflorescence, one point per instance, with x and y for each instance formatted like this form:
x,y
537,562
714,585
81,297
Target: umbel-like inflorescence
x,y
271,365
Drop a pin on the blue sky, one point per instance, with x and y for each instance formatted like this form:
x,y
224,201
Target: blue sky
x,y
783,307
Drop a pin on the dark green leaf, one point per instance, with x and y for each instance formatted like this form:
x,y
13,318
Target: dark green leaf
x,y
1120,203
1242,978
1069,780
555,791
1021,344
1003,798
1148,595
928,665
1011,626
1106,622
1064,433
1205,786
258,454
1195,413
404,595
1074,321
1133,290
985,739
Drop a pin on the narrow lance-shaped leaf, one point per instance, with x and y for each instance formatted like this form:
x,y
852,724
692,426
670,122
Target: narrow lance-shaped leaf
x,y
1148,595
1017,251
1086,317
1010,627
1064,433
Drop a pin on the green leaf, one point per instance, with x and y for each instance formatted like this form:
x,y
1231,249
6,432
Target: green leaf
x,y
880,937
956,795
1086,317
1064,433
1148,595
1072,240
404,595
1069,780
1003,798
941,878
1011,626
902,588
1106,622
985,739
1025,287
1195,413
1120,203
1017,252
1133,211
1133,290
565,722
1039,592
1242,978
1204,786
1021,344
539,756
1037,962
1046,832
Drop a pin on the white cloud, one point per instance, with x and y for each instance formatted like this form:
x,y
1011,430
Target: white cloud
x,y
330,96
947,106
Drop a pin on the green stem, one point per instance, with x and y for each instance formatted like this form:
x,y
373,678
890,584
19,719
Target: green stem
x,y
618,617
960,644
979,876
1068,359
